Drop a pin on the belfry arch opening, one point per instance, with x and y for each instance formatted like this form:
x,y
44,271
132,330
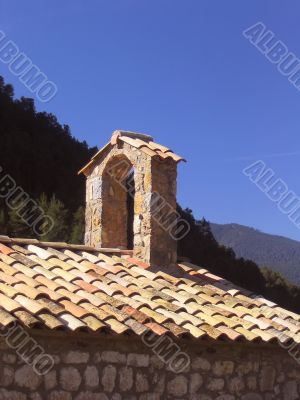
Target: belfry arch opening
x,y
130,187
118,203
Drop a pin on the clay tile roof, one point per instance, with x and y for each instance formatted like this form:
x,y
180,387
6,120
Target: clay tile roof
x,y
139,141
56,286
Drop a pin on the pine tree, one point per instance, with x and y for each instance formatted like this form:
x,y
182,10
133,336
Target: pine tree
x,y
17,227
3,223
56,211
78,226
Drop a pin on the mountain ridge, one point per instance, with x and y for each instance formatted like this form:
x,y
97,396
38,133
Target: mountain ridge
x,y
278,252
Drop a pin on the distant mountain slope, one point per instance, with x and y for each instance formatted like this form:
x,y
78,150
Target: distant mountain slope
x,y
277,252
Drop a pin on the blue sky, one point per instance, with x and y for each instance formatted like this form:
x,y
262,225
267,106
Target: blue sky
x,y
183,72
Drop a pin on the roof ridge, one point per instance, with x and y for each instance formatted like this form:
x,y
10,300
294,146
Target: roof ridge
x,y
134,135
64,245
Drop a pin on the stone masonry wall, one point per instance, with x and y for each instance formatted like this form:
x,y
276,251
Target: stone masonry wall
x,y
103,369
106,209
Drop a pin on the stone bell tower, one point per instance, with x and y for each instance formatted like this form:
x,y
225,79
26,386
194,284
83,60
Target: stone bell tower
x,y
131,198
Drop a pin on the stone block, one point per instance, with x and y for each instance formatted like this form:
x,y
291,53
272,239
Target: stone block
x,y
125,379
178,386
6,376
50,380
290,391
75,357
267,378
215,384
113,357
70,379
25,377
109,378
141,382
200,363
59,395
91,396
138,360
196,382
91,377
221,368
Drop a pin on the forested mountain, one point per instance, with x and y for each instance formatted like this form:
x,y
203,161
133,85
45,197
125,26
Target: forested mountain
x,y
43,158
264,249
39,153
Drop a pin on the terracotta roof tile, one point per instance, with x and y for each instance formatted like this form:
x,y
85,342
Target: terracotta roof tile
x,y
137,315
67,285
6,318
71,254
51,306
248,335
117,327
30,305
94,324
291,326
74,309
139,263
156,328
170,306
265,335
259,322
25,270
73,323
44,272
61,264
195,331
155,316
8,304
7,269
213,332
39,251
74,298
231,334
28,291
132,302
94,300
5,249
40,262
22,278
98,312
50,321
28,319
22,259
20,250
146,301
58,254
7,259
58,286
114,301
86,286
177,330
8,279
51,295
66,276
50,284
284,314
136,327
